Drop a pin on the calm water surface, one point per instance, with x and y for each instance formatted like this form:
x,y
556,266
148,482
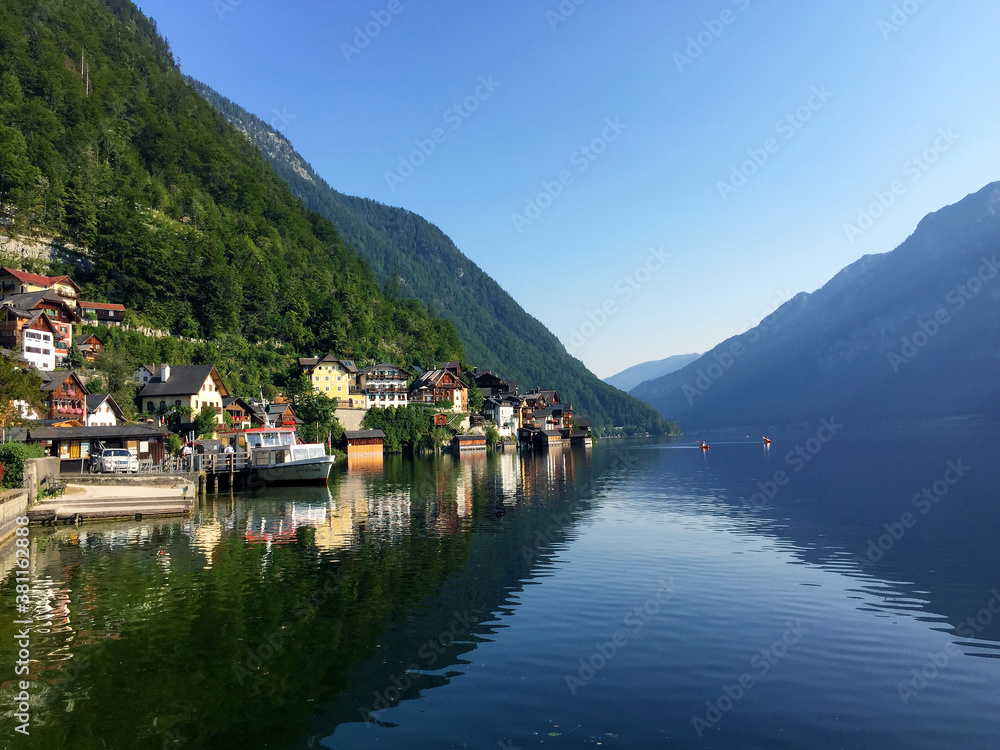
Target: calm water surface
x,y
640,594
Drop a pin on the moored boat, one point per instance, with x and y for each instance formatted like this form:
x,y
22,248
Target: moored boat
x,y
276,456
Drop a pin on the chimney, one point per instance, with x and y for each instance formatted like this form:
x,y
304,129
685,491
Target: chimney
x,y
164,373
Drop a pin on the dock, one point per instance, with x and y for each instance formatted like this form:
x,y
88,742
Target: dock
x,y
96,500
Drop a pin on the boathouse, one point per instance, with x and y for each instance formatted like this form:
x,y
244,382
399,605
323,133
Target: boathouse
x,y
548,439
467,443
364,442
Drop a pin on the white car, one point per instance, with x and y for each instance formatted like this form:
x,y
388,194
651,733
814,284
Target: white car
x,y
116,460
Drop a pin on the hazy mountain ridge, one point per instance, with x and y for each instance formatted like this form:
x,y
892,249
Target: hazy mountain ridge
x,y
848,349
630,377
414,258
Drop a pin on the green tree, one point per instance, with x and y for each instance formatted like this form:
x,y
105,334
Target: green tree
x,y
75,358
492,435
205,423
20,392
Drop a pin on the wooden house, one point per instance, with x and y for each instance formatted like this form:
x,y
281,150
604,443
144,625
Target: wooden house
x,y
102,313
64,395
434,386
74,445
89,345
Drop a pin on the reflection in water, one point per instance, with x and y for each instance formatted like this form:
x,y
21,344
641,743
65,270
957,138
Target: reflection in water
x,y
445,599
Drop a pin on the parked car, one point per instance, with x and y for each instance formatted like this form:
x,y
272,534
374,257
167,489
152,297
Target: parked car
x,y
115,460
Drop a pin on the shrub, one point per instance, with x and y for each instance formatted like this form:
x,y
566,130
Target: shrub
x,y
13,456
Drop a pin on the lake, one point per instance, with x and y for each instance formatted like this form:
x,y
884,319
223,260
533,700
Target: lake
x,y
840,589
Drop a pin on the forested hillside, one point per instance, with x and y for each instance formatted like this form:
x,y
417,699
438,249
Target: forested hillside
x,y
103,143
414,259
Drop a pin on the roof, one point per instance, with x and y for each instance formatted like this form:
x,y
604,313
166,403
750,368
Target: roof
x,y
34,278
360,434
30,300
430,379
347,364
52,380
82,433
384,365
184,380
94,400
101,305
469,438
82,339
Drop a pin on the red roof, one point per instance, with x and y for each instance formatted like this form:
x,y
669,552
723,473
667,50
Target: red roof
x,y
34,278
101,306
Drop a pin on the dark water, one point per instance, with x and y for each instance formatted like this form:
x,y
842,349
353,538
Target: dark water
x,y
639,594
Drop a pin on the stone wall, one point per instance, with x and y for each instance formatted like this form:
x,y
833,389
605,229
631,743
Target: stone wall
x,y
350,418
37,470
133,480
13,503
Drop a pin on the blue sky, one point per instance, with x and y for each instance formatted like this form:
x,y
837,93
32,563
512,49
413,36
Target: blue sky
x,y
645,178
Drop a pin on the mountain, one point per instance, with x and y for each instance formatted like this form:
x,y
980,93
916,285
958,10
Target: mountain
x,y
628,379
103,143
909,334
414,259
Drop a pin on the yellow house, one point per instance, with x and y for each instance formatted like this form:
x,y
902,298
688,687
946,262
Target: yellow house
x,y
330,376
190,386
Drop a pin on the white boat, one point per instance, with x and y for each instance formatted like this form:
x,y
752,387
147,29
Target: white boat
x,y
276,456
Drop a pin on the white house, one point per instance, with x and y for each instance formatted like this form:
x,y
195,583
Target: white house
x,y
39,349
144,373
384,385
103,411
503,411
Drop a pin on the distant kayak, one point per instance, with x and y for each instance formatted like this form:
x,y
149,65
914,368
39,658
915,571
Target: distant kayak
x,y
704,446
767,440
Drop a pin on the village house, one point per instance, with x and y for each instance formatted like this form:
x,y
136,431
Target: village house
x,y
503,411
240,412
276,414
493,385
62,315
31,334
102,313
89,345
330,376
103,411
13,282
439,385
143,374
183,386
64,396
383,385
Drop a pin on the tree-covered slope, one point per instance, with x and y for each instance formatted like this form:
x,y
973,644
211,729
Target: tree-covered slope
x,y
414,259
103,142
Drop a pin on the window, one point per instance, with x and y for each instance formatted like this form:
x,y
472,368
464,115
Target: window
x,y
163,405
